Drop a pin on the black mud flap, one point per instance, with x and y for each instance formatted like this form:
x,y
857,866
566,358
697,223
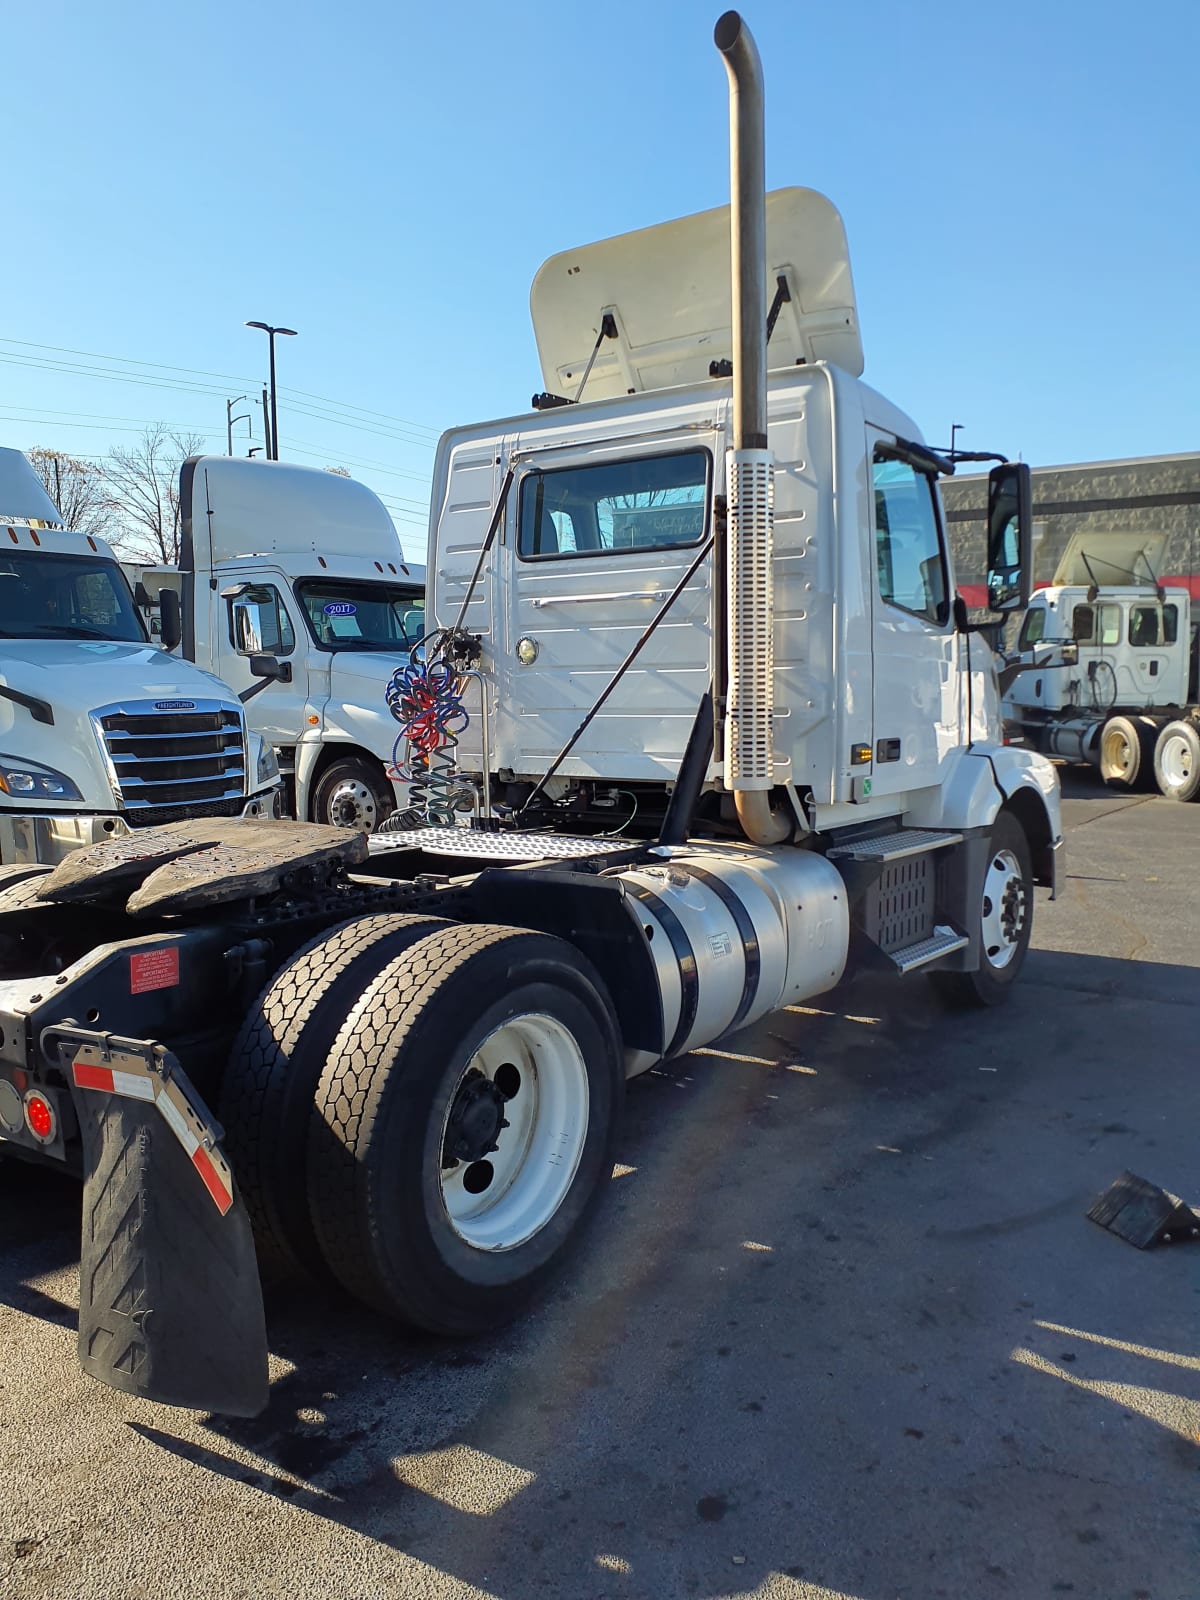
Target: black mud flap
x,y
170,1303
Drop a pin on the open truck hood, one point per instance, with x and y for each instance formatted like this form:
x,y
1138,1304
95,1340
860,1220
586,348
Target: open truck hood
x,y
668,291
1113,558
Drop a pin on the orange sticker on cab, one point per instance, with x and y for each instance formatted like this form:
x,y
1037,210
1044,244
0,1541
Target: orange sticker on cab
x,y
154,969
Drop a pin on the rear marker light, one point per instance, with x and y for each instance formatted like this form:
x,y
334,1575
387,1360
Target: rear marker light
x,y
39,1117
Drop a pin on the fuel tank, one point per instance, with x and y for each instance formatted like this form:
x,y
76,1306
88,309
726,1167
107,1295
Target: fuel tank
x,y
734,933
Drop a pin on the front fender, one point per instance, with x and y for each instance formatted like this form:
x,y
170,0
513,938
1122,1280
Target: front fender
x,y
989,776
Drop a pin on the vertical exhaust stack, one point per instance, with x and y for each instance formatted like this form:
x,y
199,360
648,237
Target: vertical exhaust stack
x,y
749,746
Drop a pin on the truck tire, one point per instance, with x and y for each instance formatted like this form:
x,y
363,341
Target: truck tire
x,y
1006,921
1177,761
465,1124
1127,752
352,793
273,1070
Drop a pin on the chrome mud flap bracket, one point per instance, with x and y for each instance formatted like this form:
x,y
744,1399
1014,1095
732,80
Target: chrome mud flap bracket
x,y
170,1302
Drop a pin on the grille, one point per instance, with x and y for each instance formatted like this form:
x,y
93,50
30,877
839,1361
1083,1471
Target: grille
x,y
166,764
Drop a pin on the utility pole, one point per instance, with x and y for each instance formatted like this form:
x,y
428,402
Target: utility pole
x,y
230,419
267,425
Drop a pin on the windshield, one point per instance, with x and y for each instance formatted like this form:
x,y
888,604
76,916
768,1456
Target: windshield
x,y
363,616
50,596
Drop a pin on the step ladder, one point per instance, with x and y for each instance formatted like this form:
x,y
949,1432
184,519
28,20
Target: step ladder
x,y
894,846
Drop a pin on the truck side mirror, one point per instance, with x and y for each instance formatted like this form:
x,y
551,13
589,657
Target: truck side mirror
x,y
170,613
1009,537
271,667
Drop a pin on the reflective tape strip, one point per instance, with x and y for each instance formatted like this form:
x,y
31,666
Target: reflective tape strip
x,y
171,1101
212,1169
109,1081
213,1181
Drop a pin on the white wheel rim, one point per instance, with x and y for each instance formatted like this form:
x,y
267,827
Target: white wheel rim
x,y
1004,908
1175,761
352,805
534,1066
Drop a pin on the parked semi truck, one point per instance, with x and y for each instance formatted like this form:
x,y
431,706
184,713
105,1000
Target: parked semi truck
x,y
304,566
100,731
743,742
1105,667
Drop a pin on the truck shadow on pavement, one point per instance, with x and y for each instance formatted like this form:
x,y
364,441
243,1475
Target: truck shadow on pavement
x,y
841,1330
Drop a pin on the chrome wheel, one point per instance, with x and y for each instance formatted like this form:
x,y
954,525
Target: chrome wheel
x,y
352,804
1005,908
514,1132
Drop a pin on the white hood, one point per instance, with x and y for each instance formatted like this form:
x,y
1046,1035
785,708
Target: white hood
x,y
76,677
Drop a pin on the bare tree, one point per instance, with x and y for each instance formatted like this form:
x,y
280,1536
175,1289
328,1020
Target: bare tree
x,y
143,488
78,489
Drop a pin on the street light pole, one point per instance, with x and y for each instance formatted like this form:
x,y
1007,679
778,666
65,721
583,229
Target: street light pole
x,y
230,419
270,332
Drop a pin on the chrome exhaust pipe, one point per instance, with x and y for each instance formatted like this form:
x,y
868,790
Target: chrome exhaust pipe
x,y
749,746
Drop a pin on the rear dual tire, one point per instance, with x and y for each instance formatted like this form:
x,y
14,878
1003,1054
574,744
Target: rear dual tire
x,y
464,1125
1177,761
1127,746
426,1113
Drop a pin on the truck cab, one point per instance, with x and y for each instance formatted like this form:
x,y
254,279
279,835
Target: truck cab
x,y
101,731
302,569
883,705
1105,660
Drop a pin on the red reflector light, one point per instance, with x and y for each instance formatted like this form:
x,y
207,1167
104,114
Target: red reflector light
x,y
39,1116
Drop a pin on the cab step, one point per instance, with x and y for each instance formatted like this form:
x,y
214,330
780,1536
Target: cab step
x,y
943,941
894,846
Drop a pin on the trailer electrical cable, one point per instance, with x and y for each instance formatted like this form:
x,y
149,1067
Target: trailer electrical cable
x,y
425,697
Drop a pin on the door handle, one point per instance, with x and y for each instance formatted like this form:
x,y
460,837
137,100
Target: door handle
x,y
578,599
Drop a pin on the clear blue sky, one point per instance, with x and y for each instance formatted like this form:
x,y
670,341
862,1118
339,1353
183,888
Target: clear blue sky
x,y
1020,185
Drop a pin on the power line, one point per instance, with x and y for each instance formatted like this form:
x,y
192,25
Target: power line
x,y
225,377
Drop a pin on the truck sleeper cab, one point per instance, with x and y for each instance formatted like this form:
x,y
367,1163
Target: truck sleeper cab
x,y
101,732
303,566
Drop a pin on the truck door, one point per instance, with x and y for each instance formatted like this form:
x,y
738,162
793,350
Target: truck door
x,y
1158,657
258,617
916,692
603,536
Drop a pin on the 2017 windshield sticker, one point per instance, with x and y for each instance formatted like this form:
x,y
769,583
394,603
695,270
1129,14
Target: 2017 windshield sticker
x,y
340,608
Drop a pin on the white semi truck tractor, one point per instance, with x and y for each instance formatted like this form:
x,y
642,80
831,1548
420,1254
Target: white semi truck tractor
x,y
295,591
1105,667
738,740
101,731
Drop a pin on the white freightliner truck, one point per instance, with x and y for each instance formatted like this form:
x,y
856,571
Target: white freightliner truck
x,y
100,731
743,741
1105,667
303,566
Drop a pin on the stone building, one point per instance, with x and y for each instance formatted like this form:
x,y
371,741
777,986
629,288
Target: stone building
x,y
1148,493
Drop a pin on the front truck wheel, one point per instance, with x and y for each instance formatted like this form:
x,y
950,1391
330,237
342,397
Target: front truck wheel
x,y
465,1123
1005,921
1127,752
353,793
275,1066
1177,761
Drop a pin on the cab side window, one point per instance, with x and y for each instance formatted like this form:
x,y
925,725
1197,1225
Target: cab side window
x,y
909,557
259,623
1033,629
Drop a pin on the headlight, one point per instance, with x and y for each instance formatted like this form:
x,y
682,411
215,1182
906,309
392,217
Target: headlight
x,y
26,780
268,767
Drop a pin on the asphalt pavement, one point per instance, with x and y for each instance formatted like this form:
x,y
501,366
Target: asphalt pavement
x,y
842,1331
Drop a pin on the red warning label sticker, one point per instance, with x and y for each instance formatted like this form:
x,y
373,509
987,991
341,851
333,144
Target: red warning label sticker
x,y
154,969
